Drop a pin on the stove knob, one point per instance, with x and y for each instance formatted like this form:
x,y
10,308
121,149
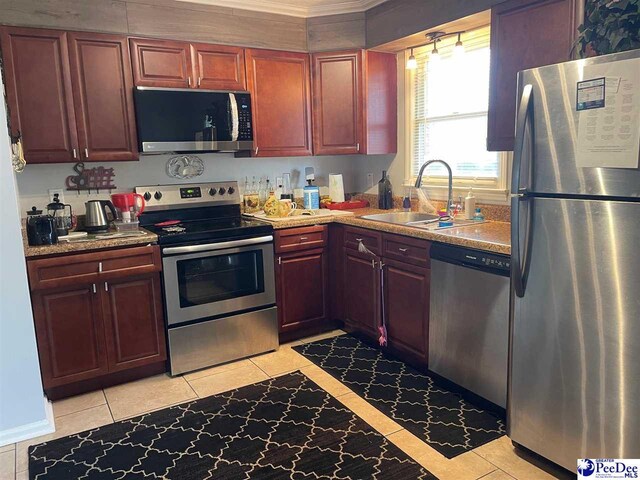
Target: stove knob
x,y
157,195
222,191
212,191
147,196
231,190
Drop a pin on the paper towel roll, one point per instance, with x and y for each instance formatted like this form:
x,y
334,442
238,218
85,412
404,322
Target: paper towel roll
x,y
336,187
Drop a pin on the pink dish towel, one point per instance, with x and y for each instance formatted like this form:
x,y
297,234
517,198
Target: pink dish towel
x,y
383,335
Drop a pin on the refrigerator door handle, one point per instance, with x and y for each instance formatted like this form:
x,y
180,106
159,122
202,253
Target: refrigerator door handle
x,y
516,262
524,111
518,193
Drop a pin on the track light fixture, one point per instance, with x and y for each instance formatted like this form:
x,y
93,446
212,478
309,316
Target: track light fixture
x,y
434,38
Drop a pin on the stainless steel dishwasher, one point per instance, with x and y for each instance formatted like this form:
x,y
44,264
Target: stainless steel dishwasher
x,y
469,319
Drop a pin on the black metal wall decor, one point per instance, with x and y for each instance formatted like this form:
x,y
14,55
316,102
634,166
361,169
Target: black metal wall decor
x,y
87,179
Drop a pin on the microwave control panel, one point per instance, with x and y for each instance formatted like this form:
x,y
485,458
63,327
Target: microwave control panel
x,y
245,127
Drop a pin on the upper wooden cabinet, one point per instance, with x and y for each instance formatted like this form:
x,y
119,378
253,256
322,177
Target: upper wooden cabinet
x,y
218,67
174,64
38,89
161,63
524,34
279,83
354,102
103,96
69,95
337,103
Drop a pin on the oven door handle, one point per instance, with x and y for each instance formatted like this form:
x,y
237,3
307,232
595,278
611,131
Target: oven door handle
x,y
217,246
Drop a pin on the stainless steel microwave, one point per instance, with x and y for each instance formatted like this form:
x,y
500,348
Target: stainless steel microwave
x,y
189,120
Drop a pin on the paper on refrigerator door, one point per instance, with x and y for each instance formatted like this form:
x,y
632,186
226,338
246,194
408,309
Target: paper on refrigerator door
x,y
609,127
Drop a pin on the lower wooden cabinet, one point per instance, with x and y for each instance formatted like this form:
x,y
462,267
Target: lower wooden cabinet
x,y
101,323
70,334
361,292
133,322
406,288
406,297
302,281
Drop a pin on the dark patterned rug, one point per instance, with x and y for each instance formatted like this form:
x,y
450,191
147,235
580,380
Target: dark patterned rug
x,y
441,418
287,427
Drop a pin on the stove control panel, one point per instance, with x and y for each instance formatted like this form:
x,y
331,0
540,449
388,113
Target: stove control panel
x,y
164,197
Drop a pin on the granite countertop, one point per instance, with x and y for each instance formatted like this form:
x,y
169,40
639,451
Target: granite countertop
x,y
489,236
62,248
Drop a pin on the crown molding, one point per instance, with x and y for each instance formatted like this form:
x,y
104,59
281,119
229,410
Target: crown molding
x,y
277,7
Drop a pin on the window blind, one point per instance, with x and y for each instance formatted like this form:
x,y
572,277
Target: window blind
x,y
449,109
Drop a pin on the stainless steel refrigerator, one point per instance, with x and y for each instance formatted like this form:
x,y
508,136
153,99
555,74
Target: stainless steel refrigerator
x,y
574,370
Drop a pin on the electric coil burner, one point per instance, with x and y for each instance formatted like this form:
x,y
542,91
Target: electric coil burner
x,y
218,271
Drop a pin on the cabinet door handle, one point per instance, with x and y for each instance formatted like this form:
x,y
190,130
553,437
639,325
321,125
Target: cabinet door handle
x,y
106,286
199,81
257,148
403,250
302,239
94,288
74,152
279,260
86,153
99,267
189,80
373,264
358,147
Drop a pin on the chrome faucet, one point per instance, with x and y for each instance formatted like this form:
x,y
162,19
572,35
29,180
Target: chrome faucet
x,y
419,180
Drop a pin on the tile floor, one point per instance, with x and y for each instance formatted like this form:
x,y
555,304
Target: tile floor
x,y
496,460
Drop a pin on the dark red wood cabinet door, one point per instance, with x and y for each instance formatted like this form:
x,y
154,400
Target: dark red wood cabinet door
x,y
361,293
161,63
407,308
524,34
38,88
70,335
134,322
302,289
218,67
337,103
103,92
279,83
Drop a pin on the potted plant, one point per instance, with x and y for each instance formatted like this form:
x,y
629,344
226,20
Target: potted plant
x,y
609,26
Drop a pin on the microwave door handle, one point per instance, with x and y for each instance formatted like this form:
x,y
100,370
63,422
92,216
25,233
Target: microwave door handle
x,y
235,120
217,246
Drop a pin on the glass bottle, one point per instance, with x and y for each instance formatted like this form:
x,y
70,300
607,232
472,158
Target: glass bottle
x,y
287,193
385,194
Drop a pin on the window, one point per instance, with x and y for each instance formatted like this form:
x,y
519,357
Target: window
x,y
449,98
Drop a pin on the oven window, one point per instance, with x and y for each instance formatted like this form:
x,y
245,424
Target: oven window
x,y
220,277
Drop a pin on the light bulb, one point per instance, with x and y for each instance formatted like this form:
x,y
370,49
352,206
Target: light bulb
x,y
412,63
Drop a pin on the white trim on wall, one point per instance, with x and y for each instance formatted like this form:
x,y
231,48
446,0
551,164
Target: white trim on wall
x,y
30,430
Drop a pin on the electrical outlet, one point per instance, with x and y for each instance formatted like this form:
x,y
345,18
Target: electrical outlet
x,y
370,180
59,191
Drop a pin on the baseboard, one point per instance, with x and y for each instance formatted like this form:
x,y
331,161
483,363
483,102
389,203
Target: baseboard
x,y
30,430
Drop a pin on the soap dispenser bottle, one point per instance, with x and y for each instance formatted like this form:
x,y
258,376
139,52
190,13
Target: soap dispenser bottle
x,y
469,205
385,194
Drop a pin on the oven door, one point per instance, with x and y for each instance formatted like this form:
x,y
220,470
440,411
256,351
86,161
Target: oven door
x,y
203,281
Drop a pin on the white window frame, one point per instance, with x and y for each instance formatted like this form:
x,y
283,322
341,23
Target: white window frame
x,y
485,190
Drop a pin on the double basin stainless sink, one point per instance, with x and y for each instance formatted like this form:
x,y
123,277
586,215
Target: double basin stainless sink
x,y
428,221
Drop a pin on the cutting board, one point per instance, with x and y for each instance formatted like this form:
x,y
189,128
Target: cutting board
x,y
322,213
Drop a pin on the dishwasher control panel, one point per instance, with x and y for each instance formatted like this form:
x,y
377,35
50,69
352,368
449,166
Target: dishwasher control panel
x,y
494,262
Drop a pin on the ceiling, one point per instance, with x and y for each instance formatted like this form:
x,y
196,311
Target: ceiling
x,y
296,8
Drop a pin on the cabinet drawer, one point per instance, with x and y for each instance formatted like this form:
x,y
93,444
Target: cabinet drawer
x,y
406,249
303,238
371,239
93,267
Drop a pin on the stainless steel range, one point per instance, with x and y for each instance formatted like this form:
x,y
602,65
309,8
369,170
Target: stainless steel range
x,y
218,272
